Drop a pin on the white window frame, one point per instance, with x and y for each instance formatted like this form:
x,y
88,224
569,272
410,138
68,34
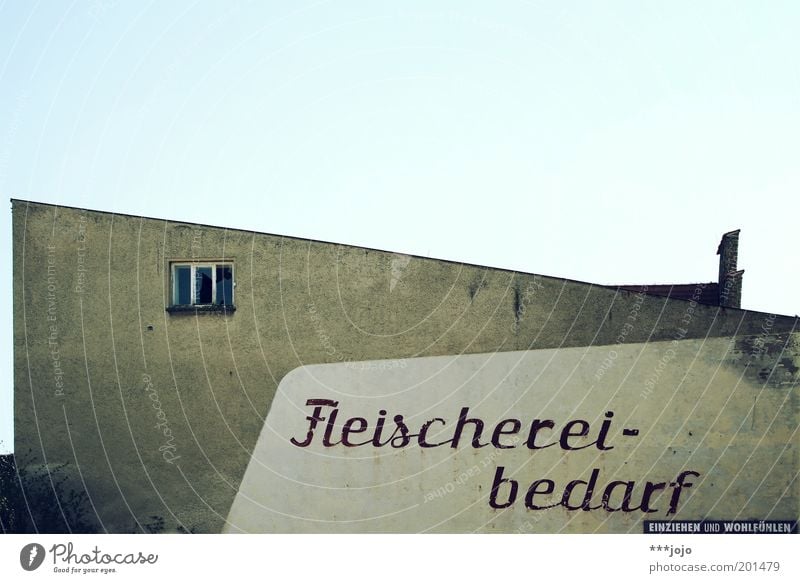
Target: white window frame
x,y
194,265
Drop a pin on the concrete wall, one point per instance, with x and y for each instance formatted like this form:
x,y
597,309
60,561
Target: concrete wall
x,y
536,420
160,412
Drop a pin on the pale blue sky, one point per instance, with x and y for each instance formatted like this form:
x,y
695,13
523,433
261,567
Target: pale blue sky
x,y
611,142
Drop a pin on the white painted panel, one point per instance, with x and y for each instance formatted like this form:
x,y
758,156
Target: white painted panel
x,y
692,410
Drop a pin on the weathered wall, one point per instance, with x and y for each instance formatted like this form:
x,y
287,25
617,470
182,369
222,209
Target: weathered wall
x,y
537,419
130,370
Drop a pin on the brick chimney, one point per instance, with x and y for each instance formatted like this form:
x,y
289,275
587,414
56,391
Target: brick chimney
x,y
730,279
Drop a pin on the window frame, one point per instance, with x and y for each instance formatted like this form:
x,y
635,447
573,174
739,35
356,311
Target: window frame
x,y
194,265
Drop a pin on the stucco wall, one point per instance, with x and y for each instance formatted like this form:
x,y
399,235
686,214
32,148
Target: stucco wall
x,y
130,370
491,442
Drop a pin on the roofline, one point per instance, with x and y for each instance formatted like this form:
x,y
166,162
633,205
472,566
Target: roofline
x,y
450,261
295,238
655,284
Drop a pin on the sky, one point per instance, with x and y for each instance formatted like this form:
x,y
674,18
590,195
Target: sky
x,y
610,142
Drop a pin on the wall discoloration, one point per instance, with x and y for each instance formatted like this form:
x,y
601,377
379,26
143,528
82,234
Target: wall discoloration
x,y
770,361
104,421
694,427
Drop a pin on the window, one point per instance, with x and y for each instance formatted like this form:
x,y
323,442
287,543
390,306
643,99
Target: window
x,y
202,286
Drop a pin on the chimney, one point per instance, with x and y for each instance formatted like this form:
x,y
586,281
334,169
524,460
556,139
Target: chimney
x,y
730,279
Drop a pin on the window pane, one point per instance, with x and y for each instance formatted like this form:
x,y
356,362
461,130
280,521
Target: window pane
x,y
224,285
203,285
183,285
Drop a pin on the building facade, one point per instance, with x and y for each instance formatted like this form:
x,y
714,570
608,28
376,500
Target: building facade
x,y
213,380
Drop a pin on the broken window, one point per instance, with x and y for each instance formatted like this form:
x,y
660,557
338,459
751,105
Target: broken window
x,y
202,284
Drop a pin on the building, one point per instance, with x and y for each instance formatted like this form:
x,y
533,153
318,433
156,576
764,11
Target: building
x,y
193,375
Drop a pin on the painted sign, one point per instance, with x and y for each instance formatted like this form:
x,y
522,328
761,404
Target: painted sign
x,y
589,439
